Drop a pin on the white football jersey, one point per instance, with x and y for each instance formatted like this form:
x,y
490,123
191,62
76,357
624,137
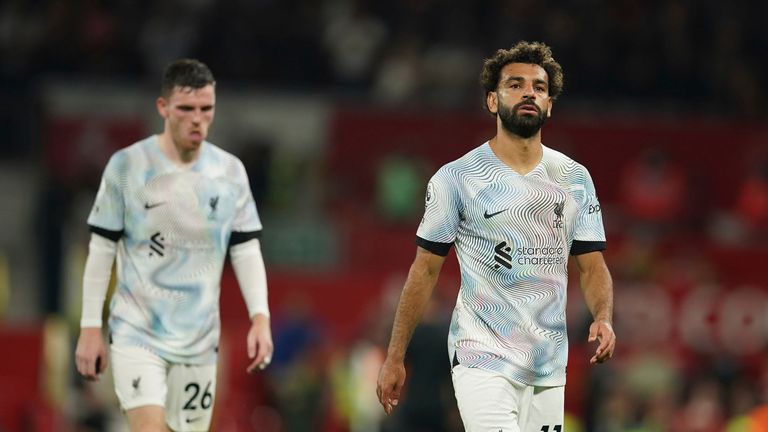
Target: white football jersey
x,y
513,234
174,226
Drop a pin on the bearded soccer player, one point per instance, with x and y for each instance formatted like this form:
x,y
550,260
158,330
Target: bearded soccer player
x,y
515,211
170,208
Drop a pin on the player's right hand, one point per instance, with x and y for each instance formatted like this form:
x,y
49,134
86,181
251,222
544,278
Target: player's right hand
x,y
390,383
91,353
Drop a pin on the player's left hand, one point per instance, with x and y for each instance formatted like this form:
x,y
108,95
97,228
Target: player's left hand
x,y
602,331
390,384
259,342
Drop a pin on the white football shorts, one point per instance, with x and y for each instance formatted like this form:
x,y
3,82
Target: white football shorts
x,y
491,402
187,392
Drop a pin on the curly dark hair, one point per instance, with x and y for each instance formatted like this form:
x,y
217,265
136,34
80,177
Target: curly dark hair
x,y
536,53
185,73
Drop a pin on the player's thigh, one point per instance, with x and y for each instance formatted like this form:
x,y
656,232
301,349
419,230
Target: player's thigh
x,y
148,418
546,410
140,377
191,393
488,401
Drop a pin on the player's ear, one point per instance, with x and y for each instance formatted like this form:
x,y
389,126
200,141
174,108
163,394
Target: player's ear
x,y
162,106
492,102
549,109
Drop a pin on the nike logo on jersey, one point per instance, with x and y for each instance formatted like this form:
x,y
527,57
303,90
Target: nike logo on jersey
x,y
151,206
194,419
490,215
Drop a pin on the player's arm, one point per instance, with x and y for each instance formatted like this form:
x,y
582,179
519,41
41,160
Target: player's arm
x,y
421,280
248,264
597,286
91,352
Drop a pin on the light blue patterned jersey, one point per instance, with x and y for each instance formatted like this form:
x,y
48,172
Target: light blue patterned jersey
x,y
174,226
513,235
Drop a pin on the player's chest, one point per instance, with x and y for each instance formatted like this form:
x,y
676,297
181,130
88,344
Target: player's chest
x,y
520,203
189,201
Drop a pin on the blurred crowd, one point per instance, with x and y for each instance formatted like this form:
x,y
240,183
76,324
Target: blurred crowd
x,y
660,55
690,296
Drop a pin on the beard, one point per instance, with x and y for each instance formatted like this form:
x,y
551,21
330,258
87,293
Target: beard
x,y
524,126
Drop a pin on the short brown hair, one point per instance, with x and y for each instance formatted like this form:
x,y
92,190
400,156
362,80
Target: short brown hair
x,y
536,53
185,73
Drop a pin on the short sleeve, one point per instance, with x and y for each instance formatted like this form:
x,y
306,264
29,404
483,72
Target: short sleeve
x,y
246,224
589,233
442,214
107,214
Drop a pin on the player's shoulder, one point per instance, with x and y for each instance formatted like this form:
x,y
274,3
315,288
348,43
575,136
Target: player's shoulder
x,y
557,157
222,161
467,163
566,172
559,161
218,151
131,154
220,155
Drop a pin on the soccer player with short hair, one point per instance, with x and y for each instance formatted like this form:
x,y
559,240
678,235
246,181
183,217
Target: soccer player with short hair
x,y
515,210
170,208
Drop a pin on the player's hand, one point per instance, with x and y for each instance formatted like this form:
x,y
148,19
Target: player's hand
x,y
259,342
91,353
390,383
602,331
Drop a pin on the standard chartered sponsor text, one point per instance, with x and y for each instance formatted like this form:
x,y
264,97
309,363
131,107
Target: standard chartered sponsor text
x,y
540,255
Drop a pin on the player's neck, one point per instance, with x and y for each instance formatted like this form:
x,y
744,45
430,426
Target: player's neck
x,y
179,156
520,154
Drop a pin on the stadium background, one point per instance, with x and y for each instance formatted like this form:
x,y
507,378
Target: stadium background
x,y
341,110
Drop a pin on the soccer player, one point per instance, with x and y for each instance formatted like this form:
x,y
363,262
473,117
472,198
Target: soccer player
x,y
170,207
515,210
